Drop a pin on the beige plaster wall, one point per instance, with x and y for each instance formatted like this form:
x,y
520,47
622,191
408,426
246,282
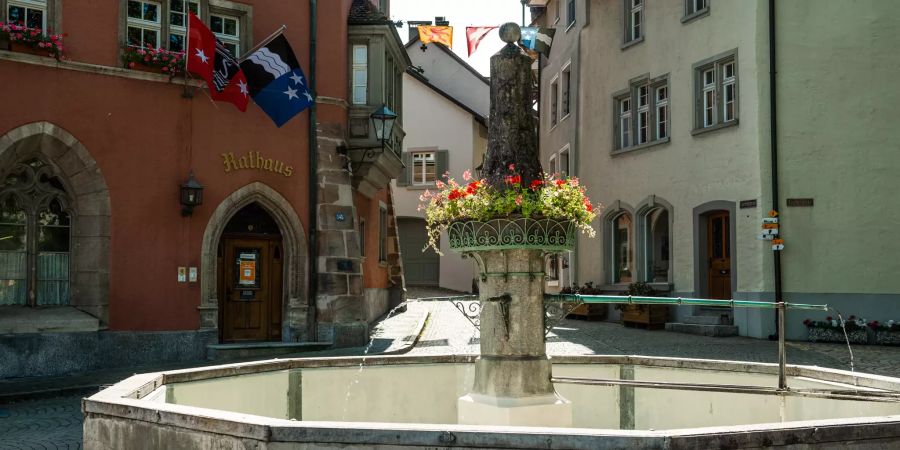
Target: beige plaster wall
x,y
434,122
689,170
838,143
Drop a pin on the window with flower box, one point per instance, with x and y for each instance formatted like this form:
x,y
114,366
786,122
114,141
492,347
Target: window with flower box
x,y
163,23
29,13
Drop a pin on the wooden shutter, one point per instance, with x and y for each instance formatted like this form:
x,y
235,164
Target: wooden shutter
x,y
443,163
403,179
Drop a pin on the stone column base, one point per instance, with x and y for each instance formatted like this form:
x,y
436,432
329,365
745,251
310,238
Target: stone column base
x,y
536,411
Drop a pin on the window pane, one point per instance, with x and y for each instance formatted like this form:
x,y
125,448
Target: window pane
x,y
626,106
626,131
359,77
12,238
134,10
232,48
176,19
176,5
150,38
662,116
622,247
729,102
231,27
194,7
151,12
12,278
709,77
642,96
360,54
53,279
176,42
134,37
359,95
35,18
642,127
215,24
709,108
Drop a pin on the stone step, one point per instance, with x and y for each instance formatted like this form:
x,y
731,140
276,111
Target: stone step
x,y
709,320
221,352
702,330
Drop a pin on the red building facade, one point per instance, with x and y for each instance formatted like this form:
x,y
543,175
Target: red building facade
x,y
99,266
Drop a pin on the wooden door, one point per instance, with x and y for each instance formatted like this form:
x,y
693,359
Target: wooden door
x,y
718,251
421,268
252,289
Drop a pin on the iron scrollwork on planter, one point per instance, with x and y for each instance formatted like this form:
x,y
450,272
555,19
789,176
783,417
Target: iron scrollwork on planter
x,y
470,309
550,235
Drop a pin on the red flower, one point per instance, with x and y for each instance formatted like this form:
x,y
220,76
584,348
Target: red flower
x,y
560,182
588,205
455,194
131,65
512,167
536,184
514,179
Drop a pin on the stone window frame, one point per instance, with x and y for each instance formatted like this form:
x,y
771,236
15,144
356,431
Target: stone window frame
x,y
565,85
222,7
631,94
691,12
52,13
554,102
630,8
642,212
616,209
90,201
716,65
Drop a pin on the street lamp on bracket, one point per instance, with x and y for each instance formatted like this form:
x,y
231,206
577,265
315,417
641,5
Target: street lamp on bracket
x,y
383,120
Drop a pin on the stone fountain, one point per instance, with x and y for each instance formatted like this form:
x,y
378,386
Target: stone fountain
x,y
509,396
512,376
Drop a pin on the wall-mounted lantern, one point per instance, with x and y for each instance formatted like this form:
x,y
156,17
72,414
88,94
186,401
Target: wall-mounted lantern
x,y
383,120
191,195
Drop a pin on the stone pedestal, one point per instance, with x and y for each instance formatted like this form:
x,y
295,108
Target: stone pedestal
x,y
512,377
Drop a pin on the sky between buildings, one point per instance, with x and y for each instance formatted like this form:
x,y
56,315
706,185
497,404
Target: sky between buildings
x,y
462,13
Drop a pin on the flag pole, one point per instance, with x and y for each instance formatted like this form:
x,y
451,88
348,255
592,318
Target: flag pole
x,y
263,42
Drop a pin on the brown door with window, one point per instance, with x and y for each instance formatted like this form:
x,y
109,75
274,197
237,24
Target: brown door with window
x,y
251,283
718,251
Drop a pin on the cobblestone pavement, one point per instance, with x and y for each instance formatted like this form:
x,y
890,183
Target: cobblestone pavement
x,y
55,423
50,423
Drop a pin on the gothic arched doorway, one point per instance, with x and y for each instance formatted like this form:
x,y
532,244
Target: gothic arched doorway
x,y
250,277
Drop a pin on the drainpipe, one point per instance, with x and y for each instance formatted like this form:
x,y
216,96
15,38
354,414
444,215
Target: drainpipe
x,y
313,177
773,134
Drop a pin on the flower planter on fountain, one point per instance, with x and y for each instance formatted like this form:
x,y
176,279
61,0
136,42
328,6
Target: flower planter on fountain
x,y
550,235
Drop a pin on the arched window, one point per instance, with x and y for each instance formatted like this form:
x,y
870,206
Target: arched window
x,y
622,248
656,245
35,237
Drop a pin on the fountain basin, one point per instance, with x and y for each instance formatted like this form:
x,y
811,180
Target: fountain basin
x,y
412,401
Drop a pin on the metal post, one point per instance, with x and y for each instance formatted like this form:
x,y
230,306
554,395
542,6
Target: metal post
x,y
782,355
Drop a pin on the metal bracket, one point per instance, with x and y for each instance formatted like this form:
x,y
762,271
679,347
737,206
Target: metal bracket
x,y
556,308
471,310
504,301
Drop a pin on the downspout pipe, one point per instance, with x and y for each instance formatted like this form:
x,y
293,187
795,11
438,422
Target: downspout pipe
x,y
313,178
773,135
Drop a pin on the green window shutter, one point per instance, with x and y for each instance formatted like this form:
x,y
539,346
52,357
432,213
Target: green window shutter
x,y
443,163
403,179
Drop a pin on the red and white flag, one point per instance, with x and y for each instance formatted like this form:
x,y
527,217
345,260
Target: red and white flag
x,y
209,59
474,35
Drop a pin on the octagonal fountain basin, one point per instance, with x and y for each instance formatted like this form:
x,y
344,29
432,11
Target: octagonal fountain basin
x,y
400,402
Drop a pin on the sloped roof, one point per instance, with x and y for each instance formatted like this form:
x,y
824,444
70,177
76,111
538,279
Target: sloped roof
x,y
454,56
363,12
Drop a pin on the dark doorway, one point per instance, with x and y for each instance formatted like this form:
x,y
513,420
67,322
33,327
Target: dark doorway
x,y
718,253
250,277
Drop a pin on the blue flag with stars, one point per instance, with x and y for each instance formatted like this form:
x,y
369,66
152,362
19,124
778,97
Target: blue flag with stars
x,y
276,81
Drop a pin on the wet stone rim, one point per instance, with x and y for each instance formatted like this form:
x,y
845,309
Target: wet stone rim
x,y
550,235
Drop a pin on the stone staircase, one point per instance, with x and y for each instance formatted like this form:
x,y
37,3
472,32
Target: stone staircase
x,y
706,324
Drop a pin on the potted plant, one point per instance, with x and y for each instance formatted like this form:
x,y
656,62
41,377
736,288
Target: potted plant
x,y
646,316
544,214
154,60
33,41
832,330
887,333
587,310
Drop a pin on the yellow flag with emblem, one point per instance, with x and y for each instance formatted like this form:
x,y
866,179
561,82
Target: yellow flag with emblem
x,y
439,34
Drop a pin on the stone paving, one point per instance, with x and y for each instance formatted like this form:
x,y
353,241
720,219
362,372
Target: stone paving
x,y
55,423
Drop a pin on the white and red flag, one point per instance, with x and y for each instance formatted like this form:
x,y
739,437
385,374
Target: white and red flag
x,y
474,35
209,59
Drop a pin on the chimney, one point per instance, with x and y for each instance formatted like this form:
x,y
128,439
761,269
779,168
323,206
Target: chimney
x,y
414,27
441,21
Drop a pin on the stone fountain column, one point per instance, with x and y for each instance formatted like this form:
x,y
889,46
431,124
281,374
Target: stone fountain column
x,y
512,375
